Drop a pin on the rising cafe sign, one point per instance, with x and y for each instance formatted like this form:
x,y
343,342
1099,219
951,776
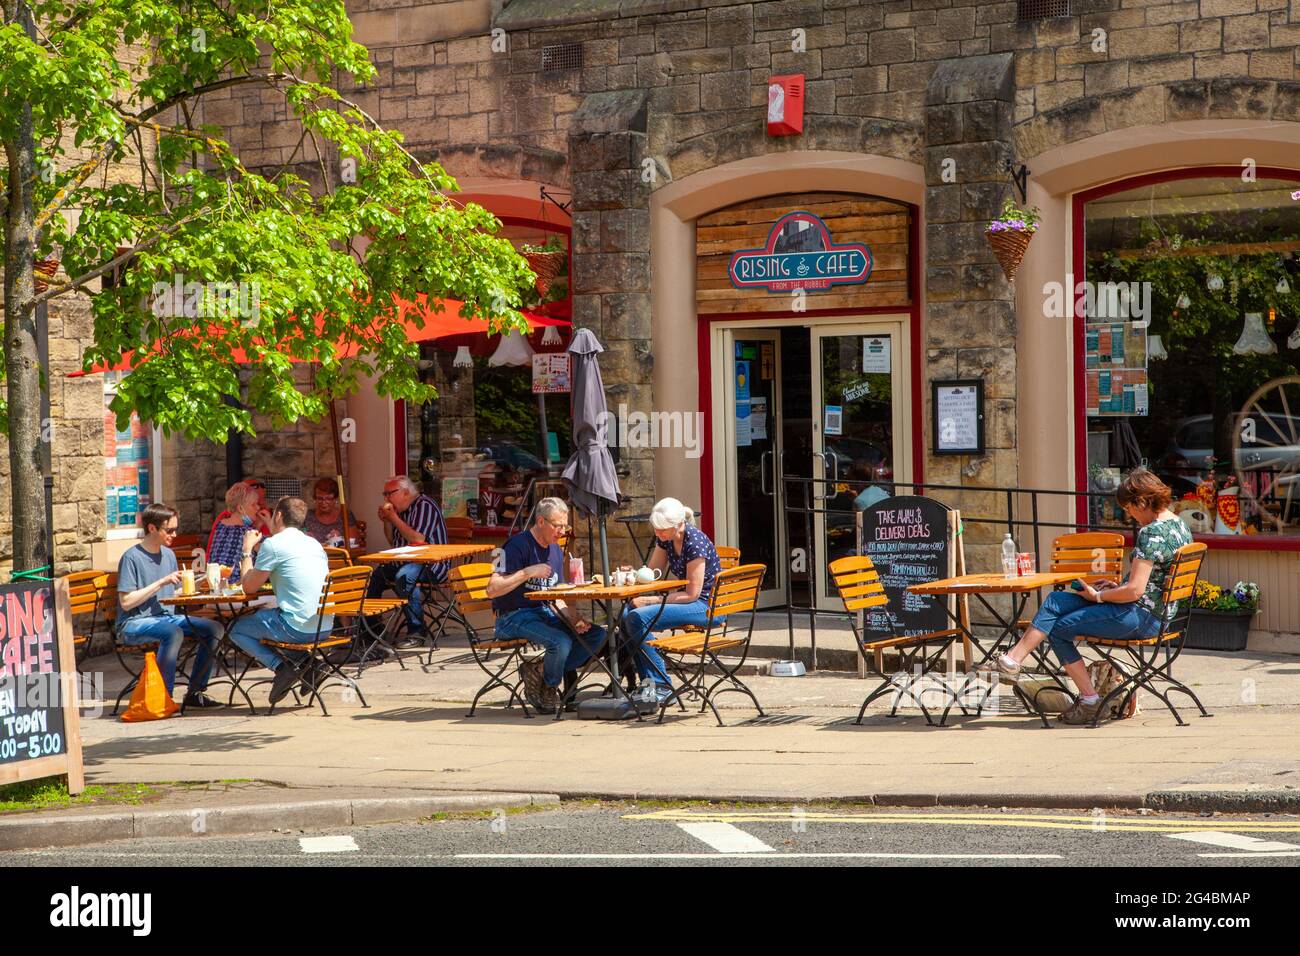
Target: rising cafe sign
x,y
800,254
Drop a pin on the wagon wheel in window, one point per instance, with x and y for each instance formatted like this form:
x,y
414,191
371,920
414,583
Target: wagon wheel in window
x,y
1266,451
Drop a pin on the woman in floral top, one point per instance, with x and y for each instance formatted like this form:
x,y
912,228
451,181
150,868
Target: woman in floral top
x,y
686,552
1128,609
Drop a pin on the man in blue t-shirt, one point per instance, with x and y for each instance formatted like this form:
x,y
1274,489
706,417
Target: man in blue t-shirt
x,y
145,573
533,561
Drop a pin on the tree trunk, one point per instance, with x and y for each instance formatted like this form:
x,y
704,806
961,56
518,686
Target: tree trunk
x,y
22,362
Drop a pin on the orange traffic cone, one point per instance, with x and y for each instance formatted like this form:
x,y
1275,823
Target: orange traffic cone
x,y
150,700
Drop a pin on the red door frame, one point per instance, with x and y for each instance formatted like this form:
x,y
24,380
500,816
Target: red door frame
x,y
1226,541
704,370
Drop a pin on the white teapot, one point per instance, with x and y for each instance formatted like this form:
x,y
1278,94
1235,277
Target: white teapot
x,y
645,575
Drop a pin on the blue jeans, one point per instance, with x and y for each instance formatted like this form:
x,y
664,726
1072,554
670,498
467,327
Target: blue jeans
x,y
402,579
170,631
637,622
1065,617
541,626
267,624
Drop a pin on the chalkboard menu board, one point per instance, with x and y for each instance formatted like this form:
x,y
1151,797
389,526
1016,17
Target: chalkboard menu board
x,y
39,732
910,540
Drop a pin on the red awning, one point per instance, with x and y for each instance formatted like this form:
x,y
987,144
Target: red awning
x,y
419,321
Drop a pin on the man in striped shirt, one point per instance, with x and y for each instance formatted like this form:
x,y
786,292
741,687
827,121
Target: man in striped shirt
x,y
410,517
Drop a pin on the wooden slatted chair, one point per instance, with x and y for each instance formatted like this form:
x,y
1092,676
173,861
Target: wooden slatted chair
x,y
1093,555
84,595
728,557
861,590
735,593
459,530
338,558
1150,660
375,632
343,597
469,585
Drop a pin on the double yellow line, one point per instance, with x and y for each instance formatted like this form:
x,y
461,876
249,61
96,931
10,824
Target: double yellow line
x,y
1101,821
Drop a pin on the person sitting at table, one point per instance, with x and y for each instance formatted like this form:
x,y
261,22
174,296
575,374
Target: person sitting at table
x,y
687,553
146,573
410,517
245,511
532,561
325,521
1128,609
263,515
297,568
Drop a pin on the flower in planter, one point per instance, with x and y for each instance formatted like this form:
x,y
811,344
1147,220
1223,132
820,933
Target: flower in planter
x,y
1244,596
1009,235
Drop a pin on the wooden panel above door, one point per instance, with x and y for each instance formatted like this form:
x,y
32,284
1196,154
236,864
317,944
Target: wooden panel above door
x,y
880,224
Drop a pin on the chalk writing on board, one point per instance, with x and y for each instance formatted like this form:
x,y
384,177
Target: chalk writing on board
x,y
906,538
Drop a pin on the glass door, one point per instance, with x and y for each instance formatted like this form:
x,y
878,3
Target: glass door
x,y
753,403
856,430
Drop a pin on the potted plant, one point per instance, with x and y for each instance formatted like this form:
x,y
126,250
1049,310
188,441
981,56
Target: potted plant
x,y
1009,235
1221,617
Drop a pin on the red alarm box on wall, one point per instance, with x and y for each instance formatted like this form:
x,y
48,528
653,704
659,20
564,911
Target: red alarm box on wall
x,y
785,105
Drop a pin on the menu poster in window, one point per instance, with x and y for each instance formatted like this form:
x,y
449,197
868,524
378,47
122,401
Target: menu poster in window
x,y
551,373
1117,392
875,354
39,731
910,540
958,410
457,493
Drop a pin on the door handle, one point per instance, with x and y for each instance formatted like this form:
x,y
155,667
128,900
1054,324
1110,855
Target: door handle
x,y
762,473
825,466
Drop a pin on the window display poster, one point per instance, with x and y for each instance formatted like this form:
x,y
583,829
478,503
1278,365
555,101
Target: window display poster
x,y
127,470
457,493
834,420
1120,391
758,418
551,372
875,354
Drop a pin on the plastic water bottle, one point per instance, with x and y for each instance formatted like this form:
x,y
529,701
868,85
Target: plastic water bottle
x,y
1008,557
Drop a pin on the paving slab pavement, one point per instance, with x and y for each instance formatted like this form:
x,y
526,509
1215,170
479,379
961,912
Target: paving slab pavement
x,y
416,735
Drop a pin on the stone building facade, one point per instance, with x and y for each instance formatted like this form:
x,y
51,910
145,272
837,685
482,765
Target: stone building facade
x,y
648,114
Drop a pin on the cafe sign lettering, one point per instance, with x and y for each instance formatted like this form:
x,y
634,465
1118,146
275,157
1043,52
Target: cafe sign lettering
x,y
800,254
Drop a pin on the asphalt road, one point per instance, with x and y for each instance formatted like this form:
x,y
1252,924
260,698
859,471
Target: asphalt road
x,y
757,836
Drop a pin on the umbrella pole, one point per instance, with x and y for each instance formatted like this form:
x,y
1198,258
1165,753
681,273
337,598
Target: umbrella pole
x,y
541,417
604,570
338,471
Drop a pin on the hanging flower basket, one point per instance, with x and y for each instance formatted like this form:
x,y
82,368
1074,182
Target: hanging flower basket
x,y
1010,234
42,272
546,265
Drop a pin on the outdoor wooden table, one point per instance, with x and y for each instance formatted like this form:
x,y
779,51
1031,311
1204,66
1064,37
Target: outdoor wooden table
x,y
616,599
235,605
979,585
428,555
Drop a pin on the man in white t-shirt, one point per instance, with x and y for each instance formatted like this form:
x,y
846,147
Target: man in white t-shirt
x,y
297,568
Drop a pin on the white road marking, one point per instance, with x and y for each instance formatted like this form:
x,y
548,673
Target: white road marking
x,y
1247,856
328,844
1233,841
726,838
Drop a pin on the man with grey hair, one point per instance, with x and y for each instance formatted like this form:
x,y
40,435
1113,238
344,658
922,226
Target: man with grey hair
x,y
410,517
532,561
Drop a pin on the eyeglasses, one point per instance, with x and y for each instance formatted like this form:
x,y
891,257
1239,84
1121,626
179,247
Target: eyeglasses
x,y
391,491
561,526
172,530
328,497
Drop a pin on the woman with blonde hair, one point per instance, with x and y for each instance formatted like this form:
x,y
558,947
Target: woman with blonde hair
x,y
687,553
1127,609
245,511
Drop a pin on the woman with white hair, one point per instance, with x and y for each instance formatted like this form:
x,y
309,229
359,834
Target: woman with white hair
x,y
687,553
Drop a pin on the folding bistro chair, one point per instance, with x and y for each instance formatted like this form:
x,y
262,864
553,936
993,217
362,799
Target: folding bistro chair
x,y
859,587
338,558
1094,555
735,592
1151,659
469,584
459,530
728,557
344,598
84,592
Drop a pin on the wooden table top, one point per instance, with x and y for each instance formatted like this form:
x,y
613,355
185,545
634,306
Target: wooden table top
x,y
428,554
993,583
601,592
207,597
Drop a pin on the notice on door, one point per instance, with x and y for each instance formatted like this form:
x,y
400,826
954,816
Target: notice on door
x,y
875,354
744,435
758,418
834,420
